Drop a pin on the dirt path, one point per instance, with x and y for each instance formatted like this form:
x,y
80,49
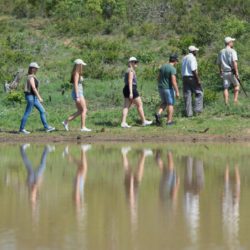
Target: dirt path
x,y
118,138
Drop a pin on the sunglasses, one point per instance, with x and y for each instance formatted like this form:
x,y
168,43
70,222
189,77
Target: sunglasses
x,y
135,62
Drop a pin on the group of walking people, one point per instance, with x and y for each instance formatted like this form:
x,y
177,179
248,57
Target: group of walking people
x,y
167,86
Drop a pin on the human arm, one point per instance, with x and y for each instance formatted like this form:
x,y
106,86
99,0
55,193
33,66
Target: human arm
x,y
130,84
236,70
196,76
75,83
175,85
35,90
194,68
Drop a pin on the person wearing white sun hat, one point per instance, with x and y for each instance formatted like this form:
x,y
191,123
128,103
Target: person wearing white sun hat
x,y
228,67
131,95
78,96
33,99
191,82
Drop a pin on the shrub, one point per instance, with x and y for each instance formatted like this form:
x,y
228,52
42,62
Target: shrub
x,y
232,26
15,97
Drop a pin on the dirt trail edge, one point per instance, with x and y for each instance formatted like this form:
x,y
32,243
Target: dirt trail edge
x,y
116,138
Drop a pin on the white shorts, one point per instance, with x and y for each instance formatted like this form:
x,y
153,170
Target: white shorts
x,y
228,79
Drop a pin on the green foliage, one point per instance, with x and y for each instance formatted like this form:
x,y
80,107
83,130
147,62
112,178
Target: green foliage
x,y
233,26
69,9
210,97
15,97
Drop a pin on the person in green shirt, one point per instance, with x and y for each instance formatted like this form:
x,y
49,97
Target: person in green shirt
x,y
168,89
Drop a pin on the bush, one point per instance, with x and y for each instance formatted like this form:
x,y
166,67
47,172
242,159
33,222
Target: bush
x,y
210,96
232,26
15,97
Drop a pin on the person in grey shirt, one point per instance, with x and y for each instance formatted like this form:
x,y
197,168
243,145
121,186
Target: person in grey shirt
x,y
228,66
191,83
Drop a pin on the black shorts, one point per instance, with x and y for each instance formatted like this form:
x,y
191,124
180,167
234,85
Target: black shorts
x,y
126,92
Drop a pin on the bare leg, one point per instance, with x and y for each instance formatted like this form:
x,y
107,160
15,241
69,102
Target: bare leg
x,y
126,107
138,102
226,96
83,112
161,109
236,93
170,109
75,115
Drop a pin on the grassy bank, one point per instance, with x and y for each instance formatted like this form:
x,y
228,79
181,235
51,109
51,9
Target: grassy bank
x,y
38,39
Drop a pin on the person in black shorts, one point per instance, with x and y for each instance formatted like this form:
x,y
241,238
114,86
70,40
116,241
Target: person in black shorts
x,y
131,95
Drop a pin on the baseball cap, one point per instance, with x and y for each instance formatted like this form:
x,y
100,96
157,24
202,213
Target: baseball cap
x,y
80,61
192,48
173,57
34,65
229,39
132,59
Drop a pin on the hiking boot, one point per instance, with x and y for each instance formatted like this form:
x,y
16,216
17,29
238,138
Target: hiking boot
x,y
125,125
23,131
146,123
170,123
49,129
158,119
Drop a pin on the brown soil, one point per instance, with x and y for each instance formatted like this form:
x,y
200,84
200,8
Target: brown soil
x,y
117,138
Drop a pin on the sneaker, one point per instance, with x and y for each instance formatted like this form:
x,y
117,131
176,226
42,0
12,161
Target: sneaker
x,y
147,152
25,146
23,131
65,151
86,147
125,150
158,119
125,125
85,129
49,129
66,126
50,148
146,123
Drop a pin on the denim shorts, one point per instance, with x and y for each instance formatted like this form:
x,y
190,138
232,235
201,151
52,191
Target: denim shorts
x,y
167,96
80,92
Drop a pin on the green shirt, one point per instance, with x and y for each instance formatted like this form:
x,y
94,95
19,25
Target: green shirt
x,y
165,76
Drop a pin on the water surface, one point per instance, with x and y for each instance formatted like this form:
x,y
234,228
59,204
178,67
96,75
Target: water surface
x,y
164,196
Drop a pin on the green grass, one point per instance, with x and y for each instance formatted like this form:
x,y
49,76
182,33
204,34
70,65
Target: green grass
x,y
105,102
22,41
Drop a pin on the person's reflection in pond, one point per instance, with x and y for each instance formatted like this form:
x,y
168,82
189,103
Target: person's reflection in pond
x,y
132,180
170,181
80,178
193,184
230,207
35,176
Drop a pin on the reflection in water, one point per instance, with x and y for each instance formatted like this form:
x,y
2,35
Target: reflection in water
x,y
170,181
230,207
108,208
193,184
80,178
34,177
132,181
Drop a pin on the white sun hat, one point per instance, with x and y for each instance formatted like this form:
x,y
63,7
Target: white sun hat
x,y
34,65
229,39
192,48
132,59
80,61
